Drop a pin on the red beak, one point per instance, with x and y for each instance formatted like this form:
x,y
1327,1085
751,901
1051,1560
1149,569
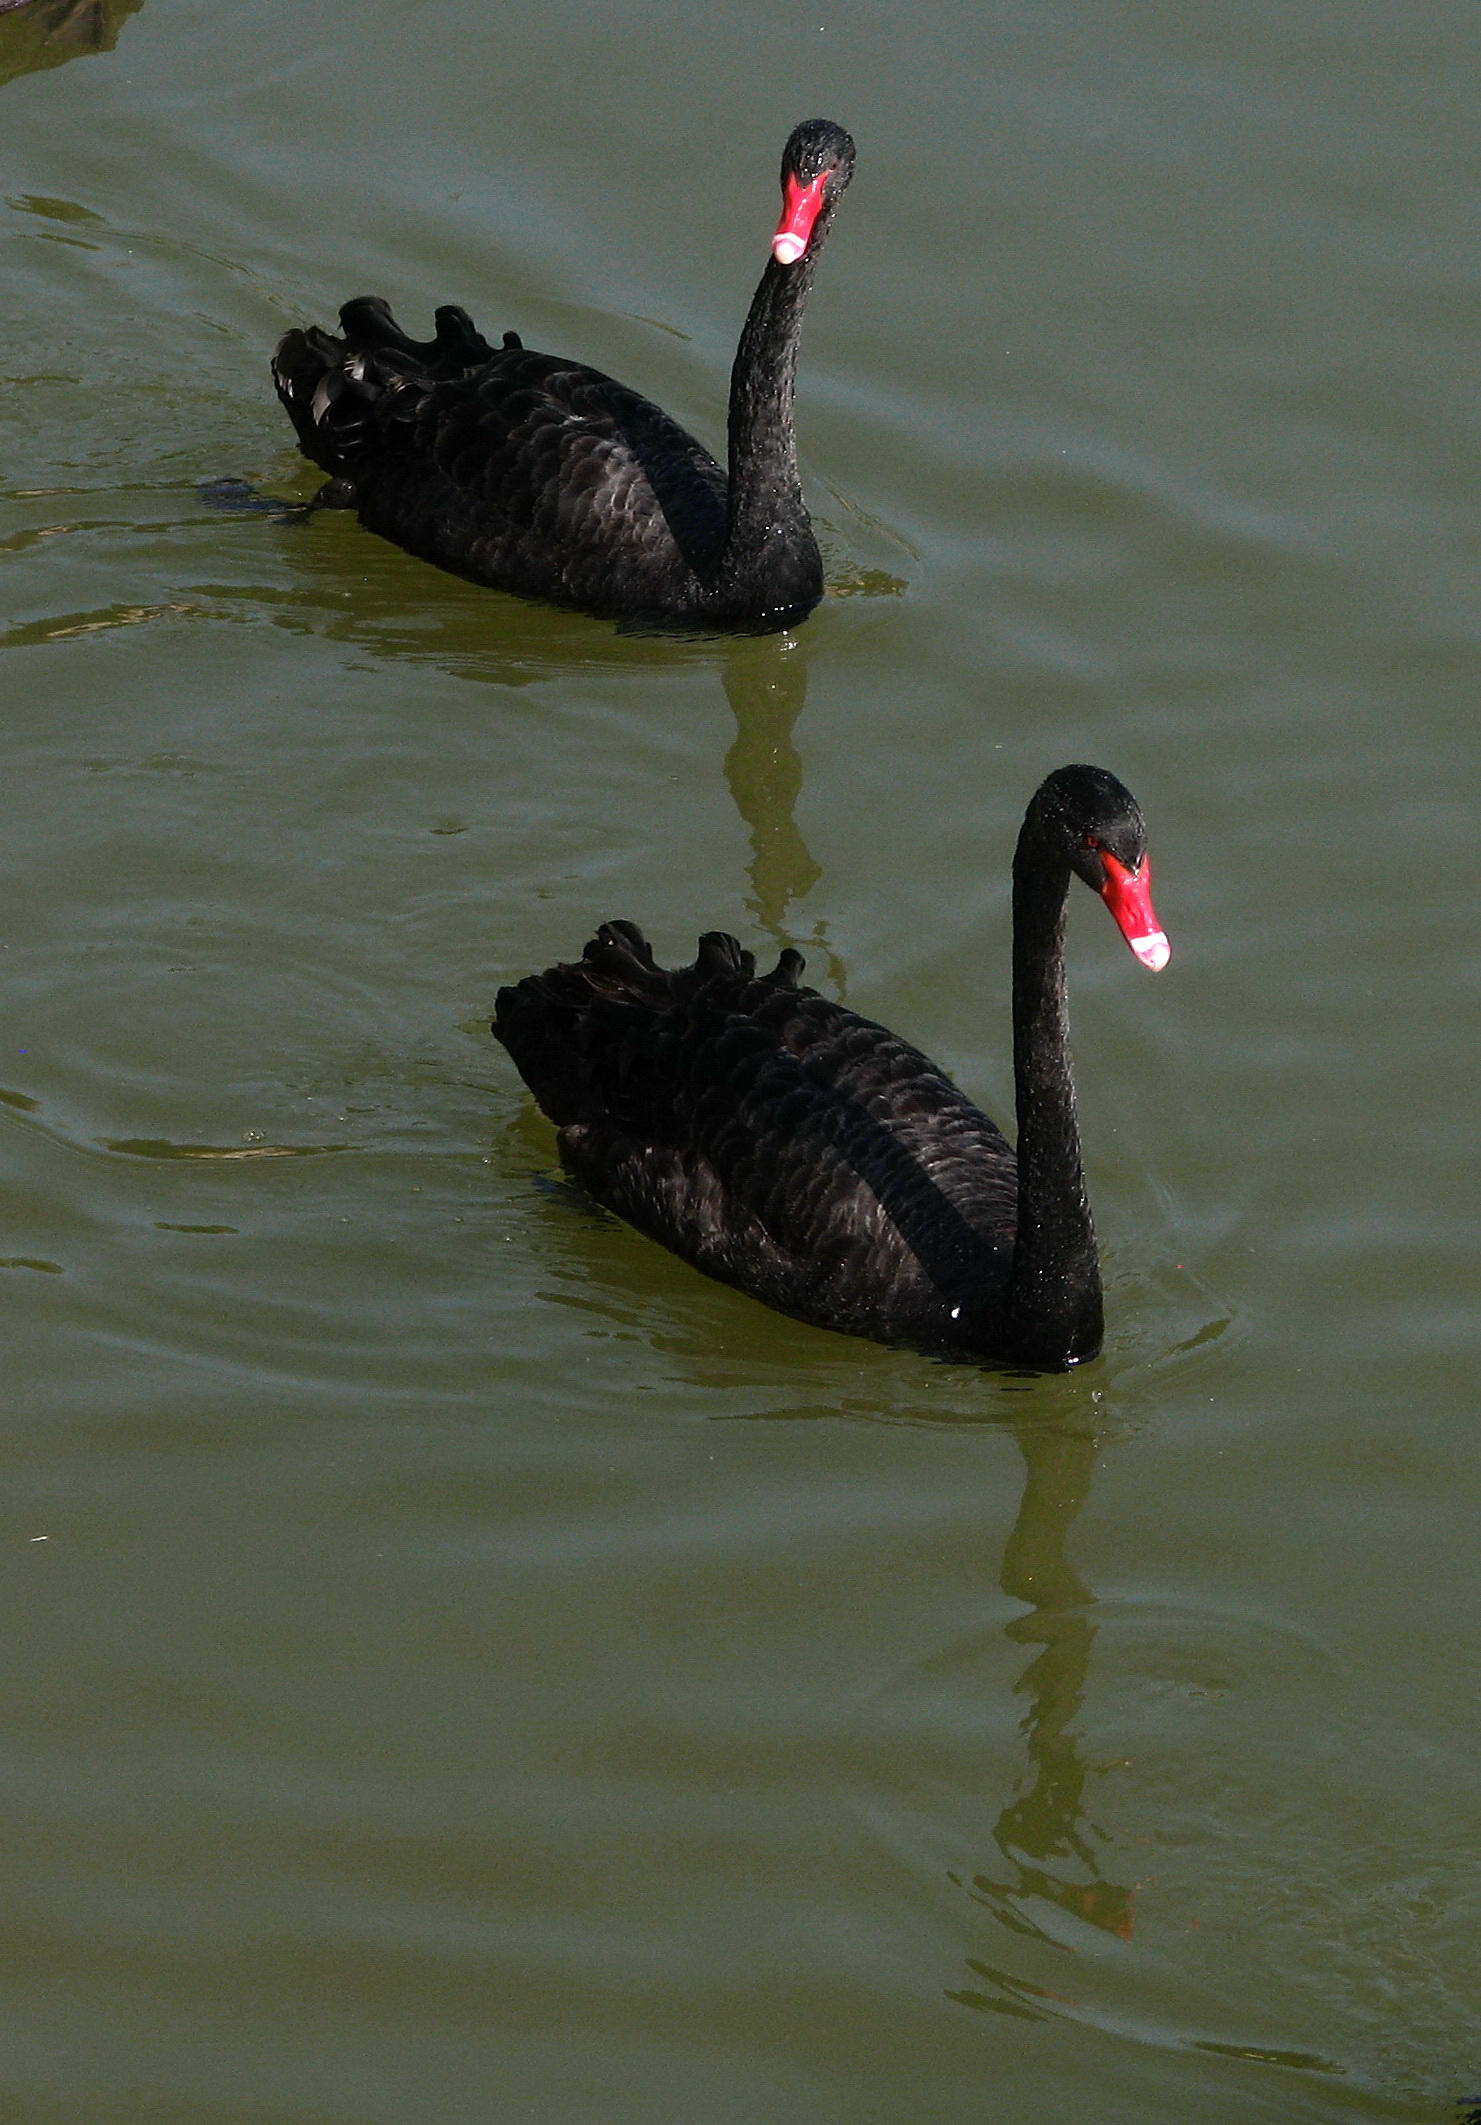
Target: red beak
x,y
1128,895
802,203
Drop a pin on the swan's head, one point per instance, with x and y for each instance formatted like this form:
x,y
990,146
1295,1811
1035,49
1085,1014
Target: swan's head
x,y
1083,815
817,163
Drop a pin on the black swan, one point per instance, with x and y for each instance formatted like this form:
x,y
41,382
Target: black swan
x,y
539,475
815,1159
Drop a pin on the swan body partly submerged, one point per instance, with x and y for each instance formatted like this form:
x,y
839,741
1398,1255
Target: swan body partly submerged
x,y
817,1160
540,475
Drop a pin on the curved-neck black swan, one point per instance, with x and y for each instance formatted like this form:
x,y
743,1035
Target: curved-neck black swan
x,y
542,476
816,1160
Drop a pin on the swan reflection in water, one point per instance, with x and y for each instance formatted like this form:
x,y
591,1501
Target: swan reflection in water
x,y
1041,1834
393,615
766,685
40,33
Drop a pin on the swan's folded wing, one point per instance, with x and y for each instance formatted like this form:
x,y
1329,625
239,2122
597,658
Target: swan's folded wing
x,y
774,1138
531,466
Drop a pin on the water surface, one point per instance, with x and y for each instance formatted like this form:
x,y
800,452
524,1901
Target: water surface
x,y
458,1662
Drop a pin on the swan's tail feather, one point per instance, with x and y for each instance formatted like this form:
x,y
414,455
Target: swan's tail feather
x,y
721,958
332,386
591,1038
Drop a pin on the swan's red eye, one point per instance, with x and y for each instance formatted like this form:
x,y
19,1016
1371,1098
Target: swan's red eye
x,y
1128,895
801,203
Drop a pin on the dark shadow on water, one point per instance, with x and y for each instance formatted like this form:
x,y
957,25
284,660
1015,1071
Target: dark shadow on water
x,y
40,33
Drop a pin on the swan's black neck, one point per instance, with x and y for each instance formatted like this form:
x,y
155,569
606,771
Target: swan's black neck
x,y
1054,1297
769,529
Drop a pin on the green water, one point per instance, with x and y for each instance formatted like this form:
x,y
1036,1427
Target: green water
x,y
458,1663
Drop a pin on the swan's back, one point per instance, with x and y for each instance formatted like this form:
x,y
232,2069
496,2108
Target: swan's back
x,y
518,469
771,1137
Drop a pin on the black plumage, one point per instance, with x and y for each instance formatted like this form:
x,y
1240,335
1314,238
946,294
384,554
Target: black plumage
x,y
814,1158
543,476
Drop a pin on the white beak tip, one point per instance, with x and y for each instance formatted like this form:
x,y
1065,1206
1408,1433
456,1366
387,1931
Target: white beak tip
x,y
786,250
1153,950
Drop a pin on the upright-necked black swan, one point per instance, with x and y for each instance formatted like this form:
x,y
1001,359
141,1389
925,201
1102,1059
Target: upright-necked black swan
x,y
542,476
815,1159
